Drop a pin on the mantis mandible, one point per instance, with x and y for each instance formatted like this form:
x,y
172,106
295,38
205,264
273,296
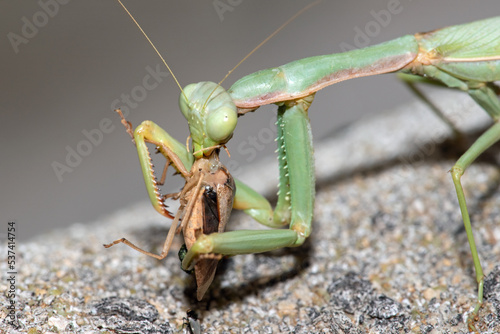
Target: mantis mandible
x,y
465,57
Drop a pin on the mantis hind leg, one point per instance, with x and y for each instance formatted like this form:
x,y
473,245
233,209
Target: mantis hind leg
x,y
485,94
486,140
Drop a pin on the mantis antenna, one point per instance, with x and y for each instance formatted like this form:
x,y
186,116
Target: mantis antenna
x,y
300,12
154,47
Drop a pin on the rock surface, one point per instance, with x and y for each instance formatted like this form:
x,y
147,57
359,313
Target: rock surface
x,y
388,253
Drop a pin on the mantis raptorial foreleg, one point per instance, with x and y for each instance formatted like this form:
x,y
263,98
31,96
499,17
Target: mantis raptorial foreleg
x,y
295,199
206,199
175,153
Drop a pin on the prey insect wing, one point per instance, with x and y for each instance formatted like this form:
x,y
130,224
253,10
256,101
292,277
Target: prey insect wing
x,y
211,218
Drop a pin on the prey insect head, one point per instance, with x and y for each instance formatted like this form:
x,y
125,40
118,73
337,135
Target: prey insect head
x,y
211,114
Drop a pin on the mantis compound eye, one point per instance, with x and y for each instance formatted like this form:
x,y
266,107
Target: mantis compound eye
x,y
221,124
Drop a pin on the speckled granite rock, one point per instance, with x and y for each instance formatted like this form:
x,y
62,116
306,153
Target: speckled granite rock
x,y
388,253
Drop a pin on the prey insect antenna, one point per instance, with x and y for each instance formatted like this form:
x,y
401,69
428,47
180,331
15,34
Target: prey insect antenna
x,y
154,47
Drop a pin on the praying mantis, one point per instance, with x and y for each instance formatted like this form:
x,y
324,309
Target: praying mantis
x,y
464,57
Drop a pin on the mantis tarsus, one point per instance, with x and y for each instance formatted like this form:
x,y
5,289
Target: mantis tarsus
x,y
466,57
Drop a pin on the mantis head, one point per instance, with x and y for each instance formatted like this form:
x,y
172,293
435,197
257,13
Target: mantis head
x,y
211,115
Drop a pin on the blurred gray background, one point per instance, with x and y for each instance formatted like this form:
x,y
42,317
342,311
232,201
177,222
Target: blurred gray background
x,y
65,63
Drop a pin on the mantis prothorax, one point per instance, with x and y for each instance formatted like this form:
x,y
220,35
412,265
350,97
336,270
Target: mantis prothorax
x,y
466,57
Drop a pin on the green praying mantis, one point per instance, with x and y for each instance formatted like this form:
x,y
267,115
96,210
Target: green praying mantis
x,y
465,57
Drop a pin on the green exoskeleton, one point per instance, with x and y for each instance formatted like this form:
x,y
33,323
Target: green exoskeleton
x,y
466,57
